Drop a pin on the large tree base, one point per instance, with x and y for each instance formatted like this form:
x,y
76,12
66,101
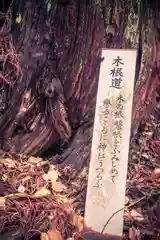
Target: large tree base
x,y
50,55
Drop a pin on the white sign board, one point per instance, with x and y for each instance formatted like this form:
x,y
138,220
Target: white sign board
x,y
110,144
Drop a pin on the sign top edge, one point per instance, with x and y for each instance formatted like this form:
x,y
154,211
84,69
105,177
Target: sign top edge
x,y
119,49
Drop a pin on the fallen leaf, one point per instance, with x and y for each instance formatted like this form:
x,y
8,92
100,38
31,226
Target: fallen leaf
x,y
34,160
51,175
42,192
19,18
2,203
63,198
8,162
51,235
54,235
58,186
15,195
42,164
4,177
136,216
44,236
78,222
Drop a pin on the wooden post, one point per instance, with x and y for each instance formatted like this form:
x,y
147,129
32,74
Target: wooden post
x,y
110,146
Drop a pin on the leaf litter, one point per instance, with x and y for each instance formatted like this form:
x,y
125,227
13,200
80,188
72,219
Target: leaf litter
x,y
39,202
37,198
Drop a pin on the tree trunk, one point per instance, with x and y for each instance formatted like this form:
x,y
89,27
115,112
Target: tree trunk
x,y
54,98
51,99
50,56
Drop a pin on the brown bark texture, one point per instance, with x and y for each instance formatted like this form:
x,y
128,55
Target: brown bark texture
x,y
52,100
50,56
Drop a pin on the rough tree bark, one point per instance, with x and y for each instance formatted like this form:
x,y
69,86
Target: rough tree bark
x,y
50,101
59,53
59,45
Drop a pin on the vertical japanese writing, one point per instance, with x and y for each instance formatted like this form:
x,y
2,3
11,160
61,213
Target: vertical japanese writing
x,y
117,73
103,116
117,135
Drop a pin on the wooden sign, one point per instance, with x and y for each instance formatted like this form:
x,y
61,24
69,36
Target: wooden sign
x,y
110,144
